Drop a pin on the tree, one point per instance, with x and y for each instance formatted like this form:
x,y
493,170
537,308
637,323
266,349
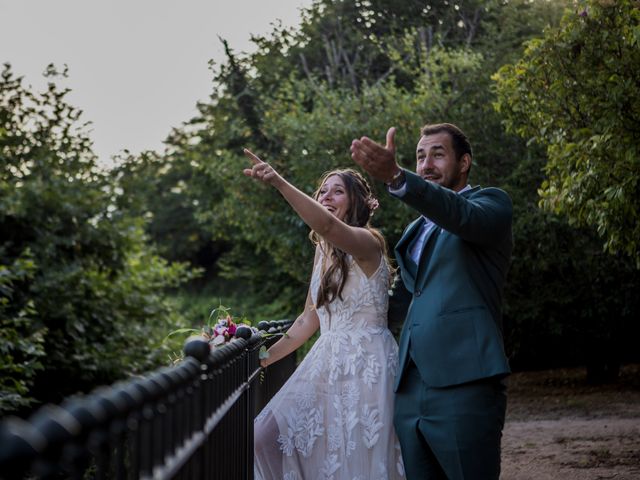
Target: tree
x,y
81,295
156,188
567,302
577,92
21,339
312,125
349,44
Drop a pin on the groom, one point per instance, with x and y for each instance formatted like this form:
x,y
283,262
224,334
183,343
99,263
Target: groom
x,y
450,394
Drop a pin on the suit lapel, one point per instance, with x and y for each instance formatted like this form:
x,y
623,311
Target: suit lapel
x,y
402,253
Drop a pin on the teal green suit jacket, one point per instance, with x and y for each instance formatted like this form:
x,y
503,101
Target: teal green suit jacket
x,y
451,303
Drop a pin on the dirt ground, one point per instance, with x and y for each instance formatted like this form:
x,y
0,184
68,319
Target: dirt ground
x,y
558,427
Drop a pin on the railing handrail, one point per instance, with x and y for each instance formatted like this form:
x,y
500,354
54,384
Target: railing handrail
x,y
85,426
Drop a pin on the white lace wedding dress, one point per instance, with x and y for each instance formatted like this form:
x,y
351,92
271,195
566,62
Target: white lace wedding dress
x,y
333,419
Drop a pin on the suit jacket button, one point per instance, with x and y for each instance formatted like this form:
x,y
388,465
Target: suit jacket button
x,y
418,293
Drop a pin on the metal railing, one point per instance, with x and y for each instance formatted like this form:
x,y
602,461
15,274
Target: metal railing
x,y
189,421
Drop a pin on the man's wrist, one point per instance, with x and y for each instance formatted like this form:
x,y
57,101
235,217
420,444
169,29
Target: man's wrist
x,y
397,181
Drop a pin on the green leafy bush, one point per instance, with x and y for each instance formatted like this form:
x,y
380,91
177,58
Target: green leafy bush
x,y
82,291
21,341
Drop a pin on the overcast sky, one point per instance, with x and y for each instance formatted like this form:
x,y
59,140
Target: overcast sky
x,y
136,67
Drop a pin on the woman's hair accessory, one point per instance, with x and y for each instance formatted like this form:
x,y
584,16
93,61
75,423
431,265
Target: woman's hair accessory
x,y
373,204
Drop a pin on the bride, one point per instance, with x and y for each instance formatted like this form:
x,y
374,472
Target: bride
x,y
333,417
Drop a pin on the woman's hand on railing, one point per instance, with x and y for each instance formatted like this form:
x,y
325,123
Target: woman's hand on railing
x,y
270,329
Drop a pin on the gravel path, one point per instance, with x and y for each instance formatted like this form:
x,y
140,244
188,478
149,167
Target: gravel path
x,y
572,449
560,428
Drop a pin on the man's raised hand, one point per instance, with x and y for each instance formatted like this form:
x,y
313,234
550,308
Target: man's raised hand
x,y
378,161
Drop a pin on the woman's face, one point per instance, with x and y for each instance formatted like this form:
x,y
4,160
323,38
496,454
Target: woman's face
x,y
334,197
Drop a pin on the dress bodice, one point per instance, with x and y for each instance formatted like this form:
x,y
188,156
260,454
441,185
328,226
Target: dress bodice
x,y
363,304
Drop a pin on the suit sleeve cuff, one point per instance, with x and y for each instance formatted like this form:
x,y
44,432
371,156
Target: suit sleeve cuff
x,y
398,192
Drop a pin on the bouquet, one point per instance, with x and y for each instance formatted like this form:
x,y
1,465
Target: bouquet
x,y
222,328
226,329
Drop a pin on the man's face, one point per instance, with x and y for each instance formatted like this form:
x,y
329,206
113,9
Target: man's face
x,y
436,162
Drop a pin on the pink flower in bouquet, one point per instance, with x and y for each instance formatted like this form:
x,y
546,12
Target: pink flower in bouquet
x,y
224,329
232,327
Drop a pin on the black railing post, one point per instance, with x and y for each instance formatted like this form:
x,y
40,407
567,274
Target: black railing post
x,y
21,444
253,378
190,421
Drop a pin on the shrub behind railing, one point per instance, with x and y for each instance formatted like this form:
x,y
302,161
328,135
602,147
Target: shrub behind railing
x,y
192,421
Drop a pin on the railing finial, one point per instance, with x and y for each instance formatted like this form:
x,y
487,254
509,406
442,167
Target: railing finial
x,y
197,347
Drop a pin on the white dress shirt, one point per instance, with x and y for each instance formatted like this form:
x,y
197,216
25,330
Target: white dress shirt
x,y
428,225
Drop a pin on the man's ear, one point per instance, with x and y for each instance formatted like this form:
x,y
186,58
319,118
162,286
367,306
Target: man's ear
x,y
465,163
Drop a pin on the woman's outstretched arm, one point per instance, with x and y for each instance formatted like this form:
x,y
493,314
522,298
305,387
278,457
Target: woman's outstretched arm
x,y
358,242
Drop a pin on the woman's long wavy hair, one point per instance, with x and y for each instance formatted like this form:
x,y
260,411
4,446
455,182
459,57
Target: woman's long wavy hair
x,y
362,203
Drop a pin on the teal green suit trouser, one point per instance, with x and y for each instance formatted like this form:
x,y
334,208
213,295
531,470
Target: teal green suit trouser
x,y
450,433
